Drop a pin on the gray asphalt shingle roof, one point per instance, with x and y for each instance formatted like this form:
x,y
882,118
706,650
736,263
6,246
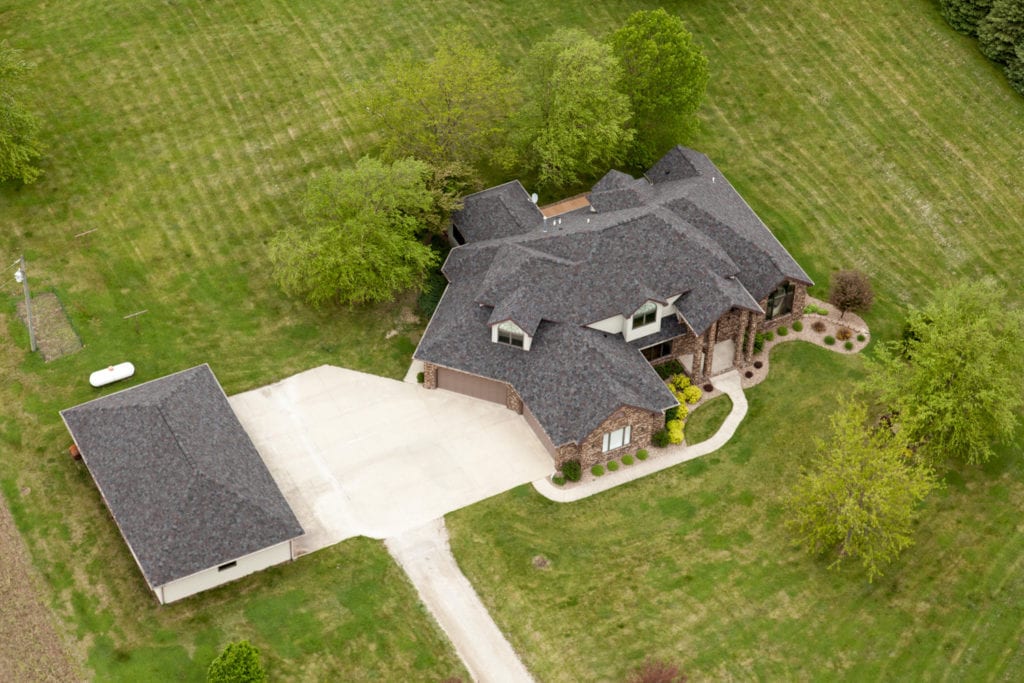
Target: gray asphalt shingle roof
x,y
180,475
680,231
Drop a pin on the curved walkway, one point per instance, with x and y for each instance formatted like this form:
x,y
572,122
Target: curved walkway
x,y
729,383
426,557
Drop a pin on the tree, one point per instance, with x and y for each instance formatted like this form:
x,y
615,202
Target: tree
x,y
359,244
238,663
1001,30
964,15
955,384
19,130
665,77
850,290
1015,68
861,497
574,123
450,110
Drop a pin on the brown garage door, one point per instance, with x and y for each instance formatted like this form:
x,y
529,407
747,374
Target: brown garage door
x,y
471,385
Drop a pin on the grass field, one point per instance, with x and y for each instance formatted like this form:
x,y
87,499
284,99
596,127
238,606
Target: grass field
x,y
183,133
692,566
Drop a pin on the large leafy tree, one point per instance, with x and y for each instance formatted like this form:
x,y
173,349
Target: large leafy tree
x,y
859,500
665,76
964,15
19,129
574,122
955,384
360,242
1002,30
450,110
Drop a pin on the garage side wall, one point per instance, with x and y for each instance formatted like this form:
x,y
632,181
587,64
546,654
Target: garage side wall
x,y
210,578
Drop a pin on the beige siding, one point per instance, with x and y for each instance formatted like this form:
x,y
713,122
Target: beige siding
x,y
539,431
210,578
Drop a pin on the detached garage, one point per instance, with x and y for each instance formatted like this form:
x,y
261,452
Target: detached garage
x,y
184,483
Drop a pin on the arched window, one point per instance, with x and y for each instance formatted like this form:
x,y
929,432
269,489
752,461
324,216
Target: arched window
x,y
645,315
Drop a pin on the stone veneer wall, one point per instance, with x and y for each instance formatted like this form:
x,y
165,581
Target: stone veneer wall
x,y
429,376
643,424
512,400
799,301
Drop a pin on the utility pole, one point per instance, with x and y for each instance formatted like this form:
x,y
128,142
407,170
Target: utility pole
x,y
22,277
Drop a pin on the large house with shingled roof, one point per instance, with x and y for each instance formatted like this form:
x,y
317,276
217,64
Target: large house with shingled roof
x,y
561,316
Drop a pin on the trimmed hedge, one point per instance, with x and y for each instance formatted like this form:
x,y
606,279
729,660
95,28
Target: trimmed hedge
x,y
641,454
597,470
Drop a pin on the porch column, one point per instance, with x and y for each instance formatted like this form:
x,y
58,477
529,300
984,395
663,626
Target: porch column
x,y
748,351
739,355
709,355
697,365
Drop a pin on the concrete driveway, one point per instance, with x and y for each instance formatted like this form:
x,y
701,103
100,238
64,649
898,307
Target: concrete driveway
x,y
361,455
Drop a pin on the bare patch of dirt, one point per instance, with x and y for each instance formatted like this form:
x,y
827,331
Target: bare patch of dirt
x,y
54,333
30,648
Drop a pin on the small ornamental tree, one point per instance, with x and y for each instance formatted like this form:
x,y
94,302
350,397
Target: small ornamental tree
x,y
238,663
850,291
859,500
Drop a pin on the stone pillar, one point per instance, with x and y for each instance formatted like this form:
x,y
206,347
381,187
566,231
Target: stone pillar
x,y
740,356
429,376
512,400
799,301
710,337
748,351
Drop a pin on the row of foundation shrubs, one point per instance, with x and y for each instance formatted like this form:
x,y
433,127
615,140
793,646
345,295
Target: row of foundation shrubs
x,y
675,418
572,470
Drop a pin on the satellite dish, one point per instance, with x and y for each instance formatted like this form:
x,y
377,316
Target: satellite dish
x,y
534,197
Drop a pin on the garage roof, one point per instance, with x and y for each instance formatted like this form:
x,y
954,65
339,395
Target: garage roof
x,y
181,477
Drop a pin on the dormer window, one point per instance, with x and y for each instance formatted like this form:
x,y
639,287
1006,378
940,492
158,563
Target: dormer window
x,y
645,315
511,334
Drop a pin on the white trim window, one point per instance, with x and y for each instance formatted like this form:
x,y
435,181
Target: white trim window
x,y
645,315
511,334
616,439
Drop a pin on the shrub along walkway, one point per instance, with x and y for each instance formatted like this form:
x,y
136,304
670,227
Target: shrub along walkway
x,y
662,458
730,383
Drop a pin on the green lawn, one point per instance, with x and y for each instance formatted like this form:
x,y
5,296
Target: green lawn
x,y
183,133
704,422
692,565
